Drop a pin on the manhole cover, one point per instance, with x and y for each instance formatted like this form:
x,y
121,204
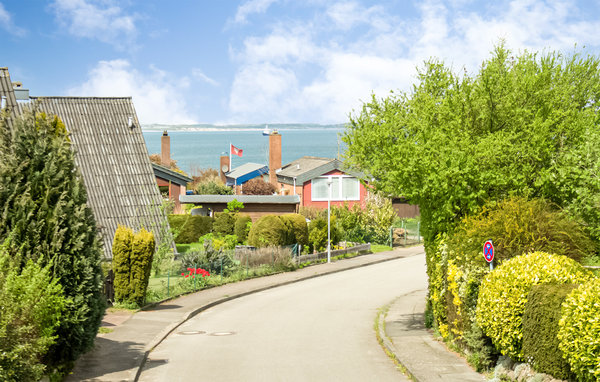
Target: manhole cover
x,y
190,332
221,334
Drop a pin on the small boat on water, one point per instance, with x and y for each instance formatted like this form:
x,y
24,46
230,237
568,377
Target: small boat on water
x,y
266,131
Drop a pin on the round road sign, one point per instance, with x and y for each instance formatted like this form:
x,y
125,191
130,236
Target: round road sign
x,y
488,251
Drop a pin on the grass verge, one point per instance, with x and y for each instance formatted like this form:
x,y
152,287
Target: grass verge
x,y
379,327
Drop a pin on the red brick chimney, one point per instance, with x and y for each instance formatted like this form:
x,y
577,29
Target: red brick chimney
x,y
274,156
224,167
165,149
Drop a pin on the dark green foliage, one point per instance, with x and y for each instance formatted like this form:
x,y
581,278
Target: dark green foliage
x,y
269,230
224,223
482,354
209,258
43,209
31,305
297,229
540,329
121,249
317,234
188,229
142,252
242,227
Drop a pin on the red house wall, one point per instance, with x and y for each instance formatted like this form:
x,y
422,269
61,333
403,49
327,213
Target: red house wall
x,y
307,195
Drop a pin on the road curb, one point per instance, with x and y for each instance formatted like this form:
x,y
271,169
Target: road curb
x,y
387,343
171,328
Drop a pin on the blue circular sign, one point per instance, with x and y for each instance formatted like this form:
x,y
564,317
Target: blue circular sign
x,y
488,251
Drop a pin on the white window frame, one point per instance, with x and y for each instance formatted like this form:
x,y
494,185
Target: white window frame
x,y
337,197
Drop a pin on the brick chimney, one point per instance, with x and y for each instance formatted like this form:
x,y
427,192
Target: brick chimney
x,y
274,156
224,167
165,149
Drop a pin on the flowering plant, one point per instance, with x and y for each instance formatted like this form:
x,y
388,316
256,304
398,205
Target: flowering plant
x,y
195,271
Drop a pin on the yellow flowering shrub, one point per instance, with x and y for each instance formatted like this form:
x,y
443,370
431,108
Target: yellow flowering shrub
x,y
503,295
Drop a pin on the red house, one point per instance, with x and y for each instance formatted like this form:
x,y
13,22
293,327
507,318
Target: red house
x,y
313,178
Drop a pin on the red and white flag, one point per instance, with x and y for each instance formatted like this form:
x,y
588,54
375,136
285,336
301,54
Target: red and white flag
x,y
236,151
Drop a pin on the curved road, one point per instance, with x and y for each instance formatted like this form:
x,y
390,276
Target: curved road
x,y
319,329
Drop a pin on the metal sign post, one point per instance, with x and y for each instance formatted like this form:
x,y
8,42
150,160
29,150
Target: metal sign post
x,y
488,253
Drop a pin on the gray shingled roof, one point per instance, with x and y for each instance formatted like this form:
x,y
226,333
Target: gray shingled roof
x,y
111,156
246,199
7,95
170,175
307,168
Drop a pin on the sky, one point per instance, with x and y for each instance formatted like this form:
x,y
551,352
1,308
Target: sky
x,y
268,61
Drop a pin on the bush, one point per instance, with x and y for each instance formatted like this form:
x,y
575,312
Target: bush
x,y
257,186
540,329
242,227
516,225
212,259
142,251
297,229
579,331
31,305
188,229
213,186
220,242
503,295
224,223
121,248
317,234
267,231
132,263
45,212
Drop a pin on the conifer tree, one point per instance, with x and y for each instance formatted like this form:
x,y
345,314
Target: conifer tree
x,y
44,212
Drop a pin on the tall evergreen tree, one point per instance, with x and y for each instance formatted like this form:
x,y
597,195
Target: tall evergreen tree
x,y
43,211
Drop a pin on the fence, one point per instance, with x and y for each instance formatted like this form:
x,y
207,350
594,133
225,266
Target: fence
x,y
336,252
407,233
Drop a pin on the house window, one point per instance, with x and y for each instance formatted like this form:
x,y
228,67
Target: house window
x,y
343,187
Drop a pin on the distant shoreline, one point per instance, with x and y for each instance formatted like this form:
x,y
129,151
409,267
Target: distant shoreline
x,y
240,127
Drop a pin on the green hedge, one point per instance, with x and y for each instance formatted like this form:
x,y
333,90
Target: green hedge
x,y
269,230
224,223
540,329
579,331
188,229
296,227
503,295
241,228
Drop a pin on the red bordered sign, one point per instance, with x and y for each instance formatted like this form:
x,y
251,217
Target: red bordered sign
x,y
488,251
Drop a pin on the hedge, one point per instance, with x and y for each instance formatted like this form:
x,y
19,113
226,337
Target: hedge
x,y
540,329
579,331
241,228
224,223
269,230
297,228
188,229
503,295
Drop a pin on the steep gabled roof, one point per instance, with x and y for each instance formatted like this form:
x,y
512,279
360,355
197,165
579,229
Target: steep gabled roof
x,y
307,168
170,175
111,154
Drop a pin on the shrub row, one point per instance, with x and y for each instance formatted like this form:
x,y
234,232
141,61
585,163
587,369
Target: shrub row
x,y
554,326
188,229
272,230
132,263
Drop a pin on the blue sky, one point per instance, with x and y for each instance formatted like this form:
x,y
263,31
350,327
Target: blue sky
x,y
267,61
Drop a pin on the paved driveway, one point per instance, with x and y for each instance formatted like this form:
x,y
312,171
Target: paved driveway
x,y
319,329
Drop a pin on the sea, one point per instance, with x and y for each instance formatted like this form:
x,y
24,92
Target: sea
x,y
197,147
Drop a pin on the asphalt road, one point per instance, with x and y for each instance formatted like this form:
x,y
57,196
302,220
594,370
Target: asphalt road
x,y
319,329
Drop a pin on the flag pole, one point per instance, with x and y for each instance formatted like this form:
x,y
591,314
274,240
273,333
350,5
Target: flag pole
x,y
230,155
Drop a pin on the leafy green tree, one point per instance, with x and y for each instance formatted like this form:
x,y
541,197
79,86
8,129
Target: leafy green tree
x,y
213,186
31,303
523,125
44,212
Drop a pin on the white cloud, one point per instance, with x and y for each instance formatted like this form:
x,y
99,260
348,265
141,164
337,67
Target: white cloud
x,y
156,96
199,74
250,7
7,23
96,19
319,69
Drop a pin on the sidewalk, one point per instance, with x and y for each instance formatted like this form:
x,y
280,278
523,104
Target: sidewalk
x,y
424,358
119,355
